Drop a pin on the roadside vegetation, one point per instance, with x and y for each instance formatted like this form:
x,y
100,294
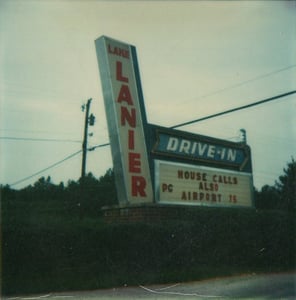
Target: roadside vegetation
x,y
54,238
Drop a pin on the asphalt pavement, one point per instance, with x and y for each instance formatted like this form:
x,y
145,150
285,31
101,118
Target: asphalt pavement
x,y
250,286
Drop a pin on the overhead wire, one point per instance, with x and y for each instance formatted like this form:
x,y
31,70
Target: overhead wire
x,y
234,109
222,113
98,146
37,139
172,127
202,96
243,82
45,169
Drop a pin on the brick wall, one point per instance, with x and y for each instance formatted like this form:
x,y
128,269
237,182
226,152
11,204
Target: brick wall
x,y
147,213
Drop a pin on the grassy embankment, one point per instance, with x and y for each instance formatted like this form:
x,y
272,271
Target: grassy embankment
x,y
47,247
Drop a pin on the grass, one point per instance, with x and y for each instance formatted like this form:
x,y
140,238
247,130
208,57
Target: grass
x,y
47,250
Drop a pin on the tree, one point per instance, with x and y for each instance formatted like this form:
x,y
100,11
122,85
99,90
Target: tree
x,y
43,184
108,188
287,186
268,198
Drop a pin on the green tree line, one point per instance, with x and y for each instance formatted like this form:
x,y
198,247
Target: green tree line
x,y
89,195
44,199
281,195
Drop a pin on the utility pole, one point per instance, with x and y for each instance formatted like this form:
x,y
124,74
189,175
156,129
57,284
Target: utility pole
x,y
84,143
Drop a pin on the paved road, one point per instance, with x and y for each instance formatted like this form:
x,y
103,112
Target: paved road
x,y
272,286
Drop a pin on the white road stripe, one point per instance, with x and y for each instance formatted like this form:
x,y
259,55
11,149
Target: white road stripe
x,y
177,293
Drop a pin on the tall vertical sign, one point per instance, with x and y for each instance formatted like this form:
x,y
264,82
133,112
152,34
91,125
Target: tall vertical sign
x,y
124,106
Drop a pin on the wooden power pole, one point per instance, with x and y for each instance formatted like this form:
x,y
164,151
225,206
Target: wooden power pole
x,y
84,143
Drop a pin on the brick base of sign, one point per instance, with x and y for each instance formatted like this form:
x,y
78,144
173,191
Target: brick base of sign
x,y
147,213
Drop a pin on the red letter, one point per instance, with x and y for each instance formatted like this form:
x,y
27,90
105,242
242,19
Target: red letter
x,y
134,162
138,186
129,117
119,75
131,139
125,95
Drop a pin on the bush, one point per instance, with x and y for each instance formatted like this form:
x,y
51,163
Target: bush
x,y
63,253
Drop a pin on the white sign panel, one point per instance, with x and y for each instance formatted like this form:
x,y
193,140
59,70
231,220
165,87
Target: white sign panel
x,y
196,185
123,98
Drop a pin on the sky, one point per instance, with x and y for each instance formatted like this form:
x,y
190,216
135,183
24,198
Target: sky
x,y
196,58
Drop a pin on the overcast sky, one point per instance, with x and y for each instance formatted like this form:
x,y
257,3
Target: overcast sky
x,y
196,58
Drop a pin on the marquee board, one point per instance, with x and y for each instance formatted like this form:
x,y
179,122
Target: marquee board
x,y
185,184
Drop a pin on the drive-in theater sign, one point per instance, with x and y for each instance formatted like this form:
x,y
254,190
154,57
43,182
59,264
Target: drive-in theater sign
x,y
154,164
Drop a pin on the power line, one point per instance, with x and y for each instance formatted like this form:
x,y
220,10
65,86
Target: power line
x,y
37,139
216,115
172,127
57,163
98,146
175,126
234,109
43,170
202,96
243,83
